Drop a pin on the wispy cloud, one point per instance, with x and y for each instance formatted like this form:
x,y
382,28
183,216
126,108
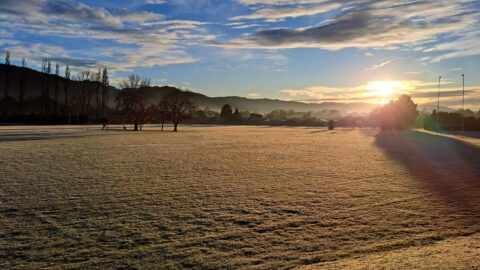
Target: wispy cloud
x,y
274,14
423,92
379,65
254,95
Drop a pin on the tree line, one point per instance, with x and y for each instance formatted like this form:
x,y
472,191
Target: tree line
x,y
46,96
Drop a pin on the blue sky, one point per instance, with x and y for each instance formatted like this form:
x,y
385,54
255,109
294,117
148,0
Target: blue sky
x,y
307,50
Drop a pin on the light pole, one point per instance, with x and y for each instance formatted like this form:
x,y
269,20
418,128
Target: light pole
x,y
438,102
463,104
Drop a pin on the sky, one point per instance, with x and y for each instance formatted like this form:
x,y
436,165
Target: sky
x,y
306,50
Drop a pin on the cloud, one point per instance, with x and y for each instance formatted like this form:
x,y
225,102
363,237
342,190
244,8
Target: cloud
x,y
124,39
423,92
380,65
155,2
278,2
254,95
273,14
371,24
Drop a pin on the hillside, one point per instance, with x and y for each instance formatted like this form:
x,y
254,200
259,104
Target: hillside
x,y
262,105
34,82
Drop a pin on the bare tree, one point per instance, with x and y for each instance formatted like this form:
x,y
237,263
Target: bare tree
x,y
44,97
7,58
22,88
98,80
178,106
47,89
83,77
105,83
57,74
65,87
7,69
132,103
135,81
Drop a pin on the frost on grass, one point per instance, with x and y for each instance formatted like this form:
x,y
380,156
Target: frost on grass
x,y
229,197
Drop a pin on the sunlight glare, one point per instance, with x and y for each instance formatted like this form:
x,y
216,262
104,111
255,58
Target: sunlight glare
x,y
384,88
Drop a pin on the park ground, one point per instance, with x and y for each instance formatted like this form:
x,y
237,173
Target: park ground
x,y
238,197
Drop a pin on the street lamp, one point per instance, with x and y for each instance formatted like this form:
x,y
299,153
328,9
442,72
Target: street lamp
x,y
463,104
438,102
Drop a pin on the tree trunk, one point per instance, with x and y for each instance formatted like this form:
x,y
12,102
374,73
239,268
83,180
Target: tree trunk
x,y
97,103
6,80
66,97
175,124
162,124
135,125
56,96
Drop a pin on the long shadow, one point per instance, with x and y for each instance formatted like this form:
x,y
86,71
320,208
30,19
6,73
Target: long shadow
x,y
446,167
469,134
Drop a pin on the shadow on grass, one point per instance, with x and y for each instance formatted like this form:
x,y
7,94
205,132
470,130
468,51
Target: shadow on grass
x,y
469,134
446,167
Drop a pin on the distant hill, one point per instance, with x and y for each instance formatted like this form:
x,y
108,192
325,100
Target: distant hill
x,y
264,105
35,82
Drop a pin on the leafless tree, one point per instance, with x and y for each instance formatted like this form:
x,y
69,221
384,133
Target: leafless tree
x,y
135,81
178,106
65,87
57,77
105,83
7,69
97,78
83,77
132,103
22,88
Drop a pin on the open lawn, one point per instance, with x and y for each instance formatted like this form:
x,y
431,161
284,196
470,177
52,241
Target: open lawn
x,y
237,197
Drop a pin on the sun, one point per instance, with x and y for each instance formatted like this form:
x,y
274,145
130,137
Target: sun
x,y
384,88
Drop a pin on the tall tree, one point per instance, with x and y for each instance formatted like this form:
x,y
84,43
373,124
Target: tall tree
x,y
398,115
7,58
226,111
22,87
178,105
57,77
105,83
65,88
47,89
7,69
83,77
44,85
98,82
132,103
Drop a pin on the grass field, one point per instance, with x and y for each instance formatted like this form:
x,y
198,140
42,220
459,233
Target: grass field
x,y
237,197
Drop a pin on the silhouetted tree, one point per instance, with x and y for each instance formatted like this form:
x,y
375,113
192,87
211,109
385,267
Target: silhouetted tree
x,y
84,77
7,70
98,79
236,115
399,114
226,112
57,77
105,83
7,58
277,115
133,99
44,80
178,106
24,63
22,88
135,81
65,88
47,85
